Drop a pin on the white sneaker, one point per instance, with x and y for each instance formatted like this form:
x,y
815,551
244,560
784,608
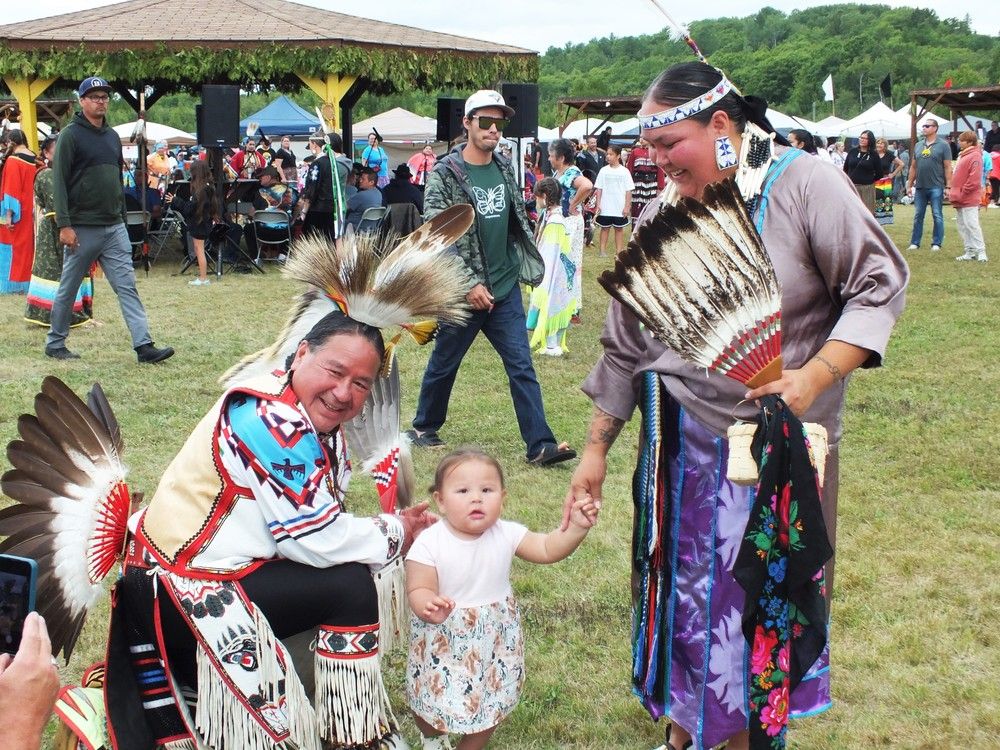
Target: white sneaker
x,y
982,257
966,256
440,742
935,248
552,351
913,247
199,282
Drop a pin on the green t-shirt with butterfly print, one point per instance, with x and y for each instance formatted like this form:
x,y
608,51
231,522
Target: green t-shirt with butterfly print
x,y
492,221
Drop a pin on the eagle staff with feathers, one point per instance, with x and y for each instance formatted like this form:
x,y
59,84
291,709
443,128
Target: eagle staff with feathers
x,y
247,539
758,277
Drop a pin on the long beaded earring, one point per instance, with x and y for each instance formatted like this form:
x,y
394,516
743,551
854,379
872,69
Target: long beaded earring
x,y
725,154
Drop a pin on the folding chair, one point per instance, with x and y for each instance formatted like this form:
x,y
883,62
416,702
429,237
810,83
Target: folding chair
x,y
159,238
272,227
371,219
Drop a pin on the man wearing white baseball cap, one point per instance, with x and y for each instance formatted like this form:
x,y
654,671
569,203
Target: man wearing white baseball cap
x,y
90,214
500,254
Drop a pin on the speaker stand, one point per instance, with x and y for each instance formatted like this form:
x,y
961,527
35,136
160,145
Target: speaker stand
x,y
214,252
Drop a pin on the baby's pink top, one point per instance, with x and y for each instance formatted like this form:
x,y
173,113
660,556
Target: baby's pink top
x,y
471,572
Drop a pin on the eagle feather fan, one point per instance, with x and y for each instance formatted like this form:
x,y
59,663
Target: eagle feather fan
x,y
698,277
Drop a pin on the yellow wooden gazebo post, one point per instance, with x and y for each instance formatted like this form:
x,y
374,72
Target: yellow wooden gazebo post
x,y
331,89
27,92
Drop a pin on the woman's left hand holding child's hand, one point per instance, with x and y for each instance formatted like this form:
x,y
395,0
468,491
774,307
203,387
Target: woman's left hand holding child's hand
x,y
583,512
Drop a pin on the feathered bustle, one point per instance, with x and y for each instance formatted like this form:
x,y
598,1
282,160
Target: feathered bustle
x,y
698,276
71,503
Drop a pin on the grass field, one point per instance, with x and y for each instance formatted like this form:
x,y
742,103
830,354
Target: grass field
x,y
916,661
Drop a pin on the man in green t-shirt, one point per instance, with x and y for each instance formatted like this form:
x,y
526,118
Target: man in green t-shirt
x,y
500,253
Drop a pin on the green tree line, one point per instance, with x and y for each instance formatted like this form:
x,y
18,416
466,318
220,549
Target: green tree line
x,y
781,57
785,58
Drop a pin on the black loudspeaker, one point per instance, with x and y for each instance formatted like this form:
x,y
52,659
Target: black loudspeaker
x,y
523,98
219,123
450,115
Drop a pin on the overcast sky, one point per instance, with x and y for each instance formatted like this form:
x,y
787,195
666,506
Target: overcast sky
x,y
539,24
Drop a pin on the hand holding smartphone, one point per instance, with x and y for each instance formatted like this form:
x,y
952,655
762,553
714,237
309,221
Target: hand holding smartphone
x,y
18,578
29,682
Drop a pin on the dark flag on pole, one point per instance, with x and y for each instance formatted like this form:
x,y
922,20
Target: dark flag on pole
x,y
885,88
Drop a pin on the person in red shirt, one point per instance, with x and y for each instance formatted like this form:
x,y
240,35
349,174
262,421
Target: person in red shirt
x,y
965,193
421,166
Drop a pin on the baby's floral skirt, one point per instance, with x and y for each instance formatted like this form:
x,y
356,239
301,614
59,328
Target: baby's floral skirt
x,y
465,675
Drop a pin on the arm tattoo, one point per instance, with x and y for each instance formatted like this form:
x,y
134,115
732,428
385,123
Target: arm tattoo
x,y
604,428
834,370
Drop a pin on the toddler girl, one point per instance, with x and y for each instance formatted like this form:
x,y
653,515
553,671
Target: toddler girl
x,y
466,664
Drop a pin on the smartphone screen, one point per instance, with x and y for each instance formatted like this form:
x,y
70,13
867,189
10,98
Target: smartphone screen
x,y
17,599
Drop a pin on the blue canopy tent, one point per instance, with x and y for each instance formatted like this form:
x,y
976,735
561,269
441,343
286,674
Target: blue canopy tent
x,y
282,117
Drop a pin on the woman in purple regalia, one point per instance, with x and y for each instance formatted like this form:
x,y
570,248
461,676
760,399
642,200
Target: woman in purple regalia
x,y
842,283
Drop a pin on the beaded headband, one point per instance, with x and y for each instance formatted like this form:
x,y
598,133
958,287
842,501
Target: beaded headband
x,y
687,109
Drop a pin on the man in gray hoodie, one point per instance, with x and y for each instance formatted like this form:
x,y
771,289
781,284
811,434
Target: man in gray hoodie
x,y
90,214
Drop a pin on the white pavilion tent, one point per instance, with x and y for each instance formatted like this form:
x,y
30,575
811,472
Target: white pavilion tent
x,y
879,119
403,132
625,126
547,135
828,126
782,122
155,133
944,124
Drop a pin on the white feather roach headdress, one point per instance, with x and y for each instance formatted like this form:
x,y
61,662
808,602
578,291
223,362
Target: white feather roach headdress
x,y
366,278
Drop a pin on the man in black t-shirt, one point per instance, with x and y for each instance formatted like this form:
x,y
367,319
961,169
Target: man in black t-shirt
x,y
324,202
284,160
401,190
590,158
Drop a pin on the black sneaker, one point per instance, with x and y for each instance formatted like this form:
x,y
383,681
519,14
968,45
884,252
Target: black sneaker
x,y
60,352
147,353
429,439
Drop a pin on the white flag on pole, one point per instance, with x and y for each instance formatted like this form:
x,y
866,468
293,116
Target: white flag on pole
x,y
828,88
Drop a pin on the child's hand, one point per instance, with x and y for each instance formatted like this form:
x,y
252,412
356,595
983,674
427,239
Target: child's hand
x,y
583,512
436,610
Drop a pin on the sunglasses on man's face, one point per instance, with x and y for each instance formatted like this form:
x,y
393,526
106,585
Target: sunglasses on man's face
x,y
486,122
927,125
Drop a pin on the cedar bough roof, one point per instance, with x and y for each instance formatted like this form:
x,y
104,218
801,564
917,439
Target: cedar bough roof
x,y
138,24
976,98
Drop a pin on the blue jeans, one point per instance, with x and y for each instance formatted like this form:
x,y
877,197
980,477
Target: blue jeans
x,y
921,196
504,327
